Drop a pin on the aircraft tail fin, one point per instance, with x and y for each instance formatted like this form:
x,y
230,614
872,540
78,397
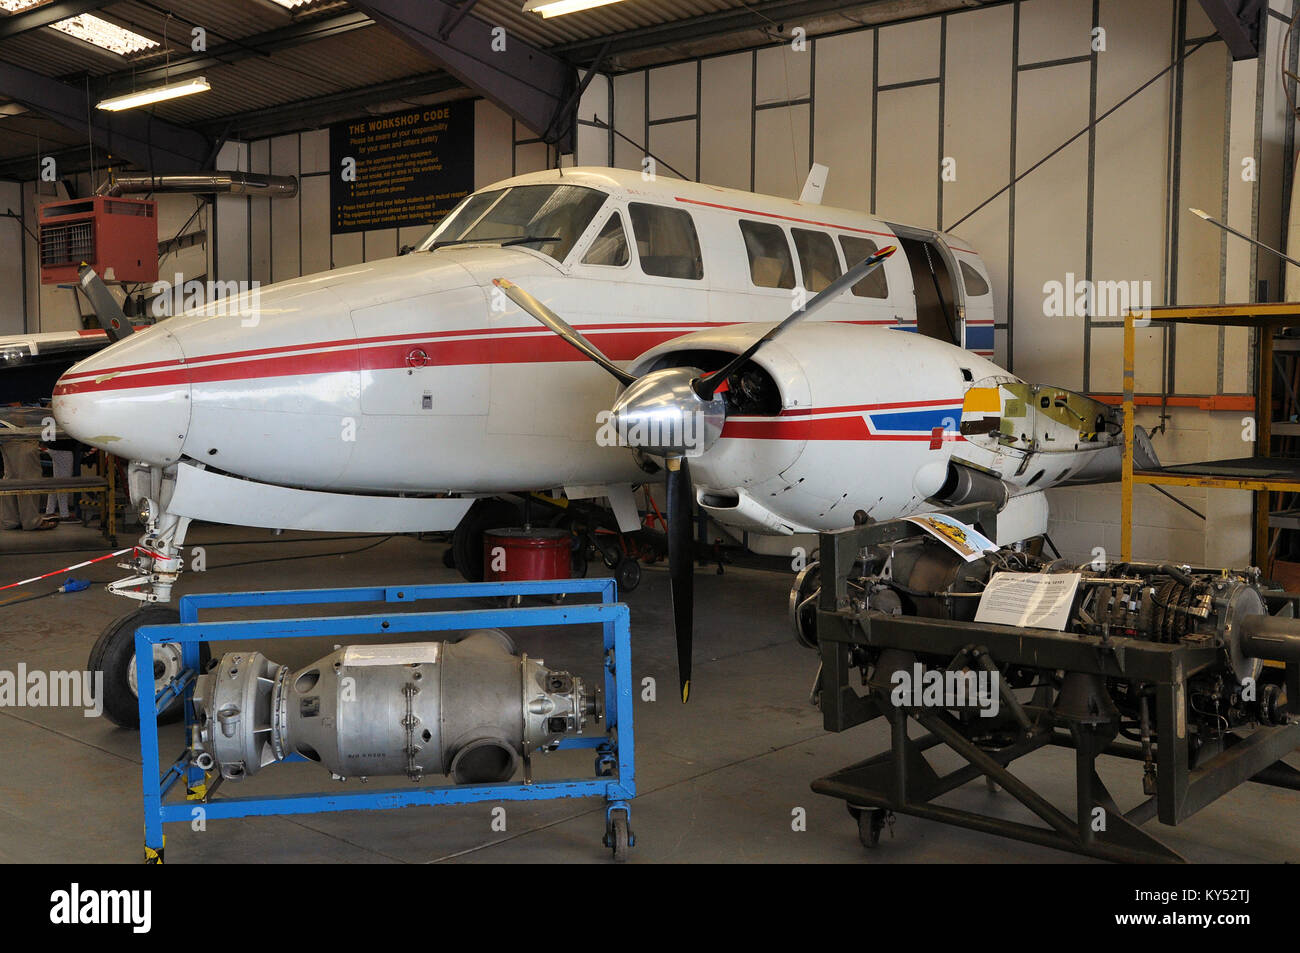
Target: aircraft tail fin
x,y
815,184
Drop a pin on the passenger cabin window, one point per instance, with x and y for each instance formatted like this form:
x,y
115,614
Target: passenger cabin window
x,y
549,218
666,241
770,264
817,257
974,281
856,251
610,246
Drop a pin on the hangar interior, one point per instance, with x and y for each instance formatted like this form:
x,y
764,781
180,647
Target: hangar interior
x,y
1064,140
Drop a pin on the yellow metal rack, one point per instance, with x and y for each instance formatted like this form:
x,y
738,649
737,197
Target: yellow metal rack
x,y
1259,473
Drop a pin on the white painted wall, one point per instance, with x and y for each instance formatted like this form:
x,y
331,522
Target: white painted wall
x,y
998,89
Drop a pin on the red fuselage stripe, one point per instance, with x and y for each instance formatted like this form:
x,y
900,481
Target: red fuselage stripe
x,y
416,339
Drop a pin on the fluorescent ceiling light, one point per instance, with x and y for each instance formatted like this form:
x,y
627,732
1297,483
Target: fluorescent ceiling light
x,y
557,8
105,35
12,109
17,6
155,94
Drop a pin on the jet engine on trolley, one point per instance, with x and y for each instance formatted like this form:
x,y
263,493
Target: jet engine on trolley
x,y
470,709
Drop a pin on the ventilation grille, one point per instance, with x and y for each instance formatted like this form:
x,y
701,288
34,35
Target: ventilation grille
x,y
67,244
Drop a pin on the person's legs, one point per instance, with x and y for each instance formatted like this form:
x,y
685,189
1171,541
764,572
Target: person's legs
x,y
22,462
62,460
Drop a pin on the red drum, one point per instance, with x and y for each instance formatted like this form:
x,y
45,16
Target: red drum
x,y
517,554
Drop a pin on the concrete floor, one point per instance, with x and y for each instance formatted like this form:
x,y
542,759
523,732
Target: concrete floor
x,y
718,779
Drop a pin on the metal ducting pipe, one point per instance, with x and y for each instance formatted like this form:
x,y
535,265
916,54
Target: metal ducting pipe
x,y
1270,637
225,183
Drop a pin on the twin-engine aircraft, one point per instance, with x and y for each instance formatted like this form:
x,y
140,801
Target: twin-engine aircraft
x,y
388,396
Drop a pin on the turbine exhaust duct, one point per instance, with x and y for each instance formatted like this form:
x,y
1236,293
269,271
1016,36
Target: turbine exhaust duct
x,y
965,484
224,183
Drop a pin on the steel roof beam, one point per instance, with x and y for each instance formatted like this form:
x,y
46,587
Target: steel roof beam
x,y
145,140
530,84
1237,22
260,44
754,16
43,16
321,111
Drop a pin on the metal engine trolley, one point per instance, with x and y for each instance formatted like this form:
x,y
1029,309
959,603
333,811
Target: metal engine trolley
x,y
613,774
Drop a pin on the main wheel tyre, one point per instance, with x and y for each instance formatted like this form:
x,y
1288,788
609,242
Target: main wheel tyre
x,y
467,541
628,574
114,655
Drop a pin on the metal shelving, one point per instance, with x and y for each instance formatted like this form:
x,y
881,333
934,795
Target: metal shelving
x,y
1260,473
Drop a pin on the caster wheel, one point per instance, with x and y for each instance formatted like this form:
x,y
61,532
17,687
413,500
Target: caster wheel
x,y
114,655
628,574
611,554
618,836
870,824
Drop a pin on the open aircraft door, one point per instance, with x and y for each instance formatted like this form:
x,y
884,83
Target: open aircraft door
x,y
940,295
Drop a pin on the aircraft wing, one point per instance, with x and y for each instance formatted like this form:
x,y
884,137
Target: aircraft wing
x,y
31,363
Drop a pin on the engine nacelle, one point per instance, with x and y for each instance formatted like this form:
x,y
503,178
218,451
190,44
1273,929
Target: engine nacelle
x,y
900,420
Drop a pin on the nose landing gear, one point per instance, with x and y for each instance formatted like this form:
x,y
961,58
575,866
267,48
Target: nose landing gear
x,y
157,565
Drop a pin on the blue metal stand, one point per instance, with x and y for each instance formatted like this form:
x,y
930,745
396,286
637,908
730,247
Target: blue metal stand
x,y
614,774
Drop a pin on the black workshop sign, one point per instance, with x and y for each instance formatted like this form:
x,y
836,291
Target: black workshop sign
x,y
407,168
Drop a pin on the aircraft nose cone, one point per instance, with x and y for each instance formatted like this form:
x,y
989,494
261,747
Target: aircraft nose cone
x,y
131,399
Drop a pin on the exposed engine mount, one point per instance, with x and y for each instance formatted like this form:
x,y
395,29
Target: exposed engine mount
x,y
1163,603
1155,663
470,709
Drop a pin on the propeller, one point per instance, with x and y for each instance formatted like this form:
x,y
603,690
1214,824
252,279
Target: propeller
x,y
677,413
108,312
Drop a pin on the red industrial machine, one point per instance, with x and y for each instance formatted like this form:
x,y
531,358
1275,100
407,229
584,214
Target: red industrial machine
x,y
118,237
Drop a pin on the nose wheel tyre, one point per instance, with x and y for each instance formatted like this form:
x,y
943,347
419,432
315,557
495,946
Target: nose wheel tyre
x,y
114,655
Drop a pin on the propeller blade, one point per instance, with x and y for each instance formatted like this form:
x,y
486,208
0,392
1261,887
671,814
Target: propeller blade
x,y
681,565
708,384
561,327
107,310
